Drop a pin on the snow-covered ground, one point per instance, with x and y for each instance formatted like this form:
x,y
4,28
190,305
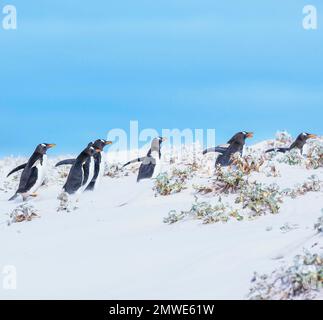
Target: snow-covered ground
x,y
104,251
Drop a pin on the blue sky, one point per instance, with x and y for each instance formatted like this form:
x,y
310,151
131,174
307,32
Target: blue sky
x,y
75,69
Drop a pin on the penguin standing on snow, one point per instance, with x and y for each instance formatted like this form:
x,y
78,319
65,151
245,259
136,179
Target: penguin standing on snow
x,y
235,144
150,165
80,174
34,172
299,143
98,163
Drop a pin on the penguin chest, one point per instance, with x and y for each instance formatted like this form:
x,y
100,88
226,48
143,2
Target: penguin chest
x,y
42,167
100,172
87,176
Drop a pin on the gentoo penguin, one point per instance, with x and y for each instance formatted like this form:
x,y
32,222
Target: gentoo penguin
x,y
297,144
150,165
98,163
78,178
34,172
236,144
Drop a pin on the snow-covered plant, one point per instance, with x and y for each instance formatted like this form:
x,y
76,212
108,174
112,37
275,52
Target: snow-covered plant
x,y
315,155
283,137
166,184
260,199
292,157
112,170
319,225
226,181
206,212
248,163
271,170
24,212
301,281
66,203
313,184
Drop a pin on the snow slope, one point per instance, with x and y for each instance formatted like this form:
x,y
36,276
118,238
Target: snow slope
x,y
103,251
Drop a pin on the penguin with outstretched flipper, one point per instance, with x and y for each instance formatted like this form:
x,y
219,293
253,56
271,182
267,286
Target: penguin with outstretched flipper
x,y
34,172
78,178
299,143
235,145
149,168
150,165
98,163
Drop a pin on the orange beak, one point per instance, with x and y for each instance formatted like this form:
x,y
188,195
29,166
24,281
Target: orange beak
x,y
51,145
250,135
108,142
312,136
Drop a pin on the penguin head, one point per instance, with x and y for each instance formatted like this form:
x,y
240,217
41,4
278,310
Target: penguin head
x,y
156,144
90,151
100,144
43,147
241,137
305,136
161,140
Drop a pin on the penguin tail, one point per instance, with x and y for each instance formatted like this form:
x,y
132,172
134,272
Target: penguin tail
x,y
13,197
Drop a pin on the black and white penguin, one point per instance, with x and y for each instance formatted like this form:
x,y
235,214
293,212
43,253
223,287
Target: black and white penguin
x,y
235,144
34,172
98,163
151,164
299,143
81,174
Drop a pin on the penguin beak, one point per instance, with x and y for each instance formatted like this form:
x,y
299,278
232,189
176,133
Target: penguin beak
x,y
108,143
51,145
312,136
164,139
249,135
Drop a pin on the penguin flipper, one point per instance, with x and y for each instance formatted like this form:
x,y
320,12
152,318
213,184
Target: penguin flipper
x,y
133,161
282,150
21,167
65,162
215,149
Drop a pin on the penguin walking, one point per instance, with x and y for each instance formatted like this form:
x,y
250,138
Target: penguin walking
x,y
98,163
34,172
151,164
81,174
235,144
299,143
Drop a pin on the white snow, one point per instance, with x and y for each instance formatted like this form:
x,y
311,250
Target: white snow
x,y
103,251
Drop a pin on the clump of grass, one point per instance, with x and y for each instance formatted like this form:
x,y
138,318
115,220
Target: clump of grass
x,y
313,184
24,212
206,212
260,199
319,225
174,182
112,170
315,156
247,164
66,203
292,158
302,280
226,181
